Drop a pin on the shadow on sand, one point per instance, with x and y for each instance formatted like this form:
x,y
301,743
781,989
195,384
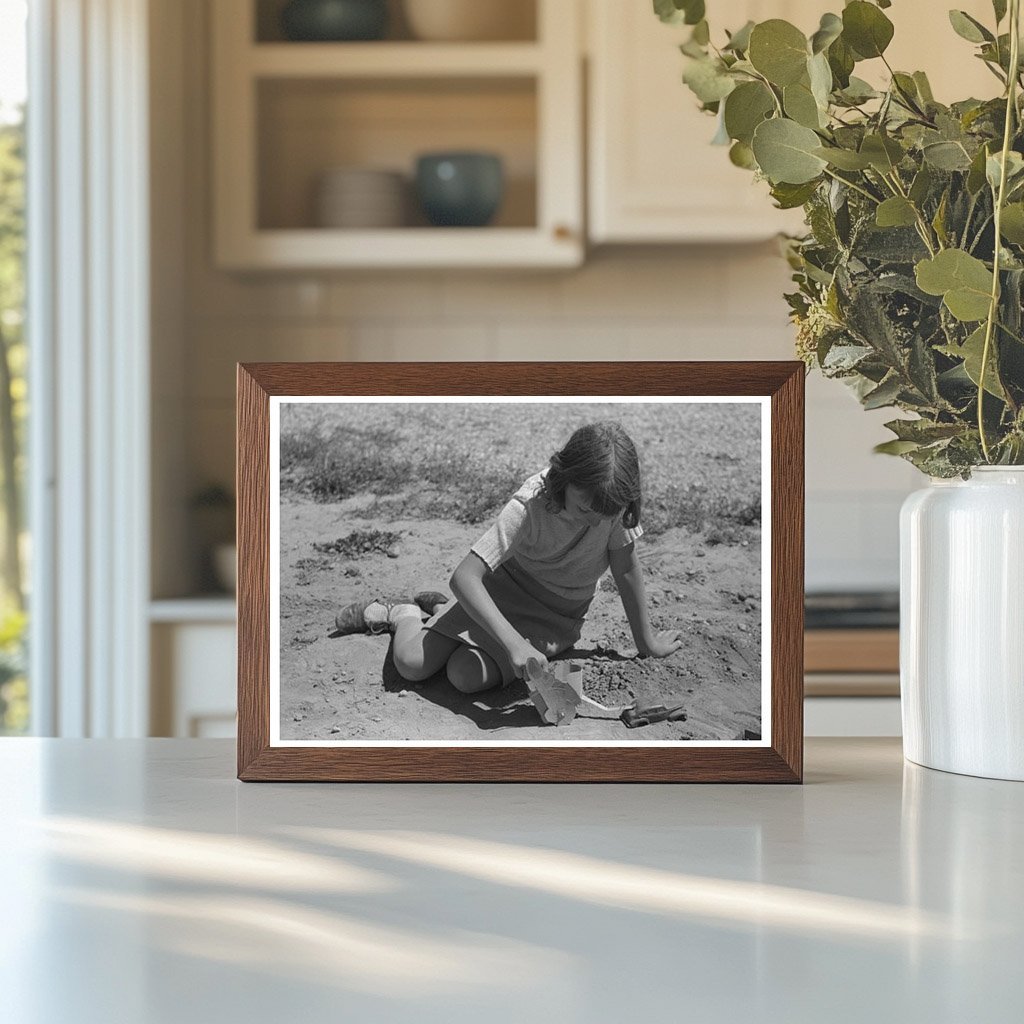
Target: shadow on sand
x,y
507,707
504,707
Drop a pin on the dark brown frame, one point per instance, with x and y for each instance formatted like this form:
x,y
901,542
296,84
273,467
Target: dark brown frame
x,y
781,762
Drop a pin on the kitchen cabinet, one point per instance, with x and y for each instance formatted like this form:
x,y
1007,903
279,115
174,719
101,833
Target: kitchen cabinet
x,y
287,113
653,175
193,673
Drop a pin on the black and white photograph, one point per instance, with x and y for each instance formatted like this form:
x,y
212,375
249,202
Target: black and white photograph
x,y
521,571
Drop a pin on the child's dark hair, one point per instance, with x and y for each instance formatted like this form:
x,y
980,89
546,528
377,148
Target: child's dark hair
x,y
600,459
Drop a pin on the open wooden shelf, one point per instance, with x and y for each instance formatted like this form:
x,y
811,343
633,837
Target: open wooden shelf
x,y
286,113
400,247
392,60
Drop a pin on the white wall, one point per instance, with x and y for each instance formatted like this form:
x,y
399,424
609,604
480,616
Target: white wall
x,y
721,302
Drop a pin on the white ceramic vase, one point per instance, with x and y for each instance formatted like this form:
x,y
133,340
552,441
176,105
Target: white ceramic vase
x,y
962,624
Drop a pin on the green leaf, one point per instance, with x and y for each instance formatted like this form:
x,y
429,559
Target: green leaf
x,y
857,91
742,155
971,352
946,156
707,80
976,175
789,197
701,33
745,108
1014,169
866,29
820,76
785,152
1012,223
969,28
885,394
895,447
800,105
999,6
906,90
830,28
676,12
896,212
923,431
739,41
778,50
924,88
883,153
668,12
939,220
844,159
694,10
841,60
963,281
921,185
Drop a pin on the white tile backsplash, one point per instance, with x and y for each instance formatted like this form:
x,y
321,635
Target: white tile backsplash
x,y
718,302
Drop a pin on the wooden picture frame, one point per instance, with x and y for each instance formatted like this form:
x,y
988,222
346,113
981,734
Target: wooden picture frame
x,y
779,386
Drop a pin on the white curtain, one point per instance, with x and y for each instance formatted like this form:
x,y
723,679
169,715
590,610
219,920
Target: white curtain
x,y
88,319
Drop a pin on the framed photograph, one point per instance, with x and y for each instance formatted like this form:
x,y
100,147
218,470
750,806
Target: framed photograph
x,y
520,572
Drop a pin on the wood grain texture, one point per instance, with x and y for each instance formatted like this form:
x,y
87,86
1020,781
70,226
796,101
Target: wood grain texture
x,y
252,487
782,762
787,540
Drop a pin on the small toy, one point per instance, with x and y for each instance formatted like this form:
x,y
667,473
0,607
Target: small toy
x,y
633,718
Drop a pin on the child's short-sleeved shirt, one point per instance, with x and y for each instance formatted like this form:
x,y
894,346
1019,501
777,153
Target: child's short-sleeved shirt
x,y
563,555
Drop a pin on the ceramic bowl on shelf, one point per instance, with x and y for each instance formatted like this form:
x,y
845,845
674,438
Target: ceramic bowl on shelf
x,y
460,189
334,20
361,198
469,20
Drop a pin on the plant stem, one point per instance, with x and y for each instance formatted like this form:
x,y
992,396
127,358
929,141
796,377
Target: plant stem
x,y
970,217
768,86
993,309
855,187
922,225
981,231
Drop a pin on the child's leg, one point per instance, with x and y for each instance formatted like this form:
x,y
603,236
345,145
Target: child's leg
x,y
470,670
419,652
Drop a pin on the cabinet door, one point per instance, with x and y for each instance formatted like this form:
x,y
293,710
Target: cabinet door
x,y
653,174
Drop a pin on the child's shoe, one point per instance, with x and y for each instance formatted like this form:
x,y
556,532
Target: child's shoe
x,y
375,617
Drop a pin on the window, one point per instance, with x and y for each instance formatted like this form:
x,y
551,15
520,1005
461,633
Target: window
x,y
14,548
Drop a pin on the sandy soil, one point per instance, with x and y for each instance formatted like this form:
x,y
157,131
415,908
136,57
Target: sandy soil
x,y
347,688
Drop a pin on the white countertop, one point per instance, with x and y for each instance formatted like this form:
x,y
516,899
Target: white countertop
x,y
143,884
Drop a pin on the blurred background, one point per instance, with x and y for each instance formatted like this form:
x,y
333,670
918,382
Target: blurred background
x,y
246,180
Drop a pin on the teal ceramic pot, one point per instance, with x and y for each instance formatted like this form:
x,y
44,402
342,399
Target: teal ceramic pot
x,y
460,189
334,20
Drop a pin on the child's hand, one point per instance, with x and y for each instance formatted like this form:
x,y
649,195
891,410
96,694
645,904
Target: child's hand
x,y
661,645
521,653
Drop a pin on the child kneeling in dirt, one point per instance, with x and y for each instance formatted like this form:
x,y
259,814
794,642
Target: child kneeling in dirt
x,y
524,589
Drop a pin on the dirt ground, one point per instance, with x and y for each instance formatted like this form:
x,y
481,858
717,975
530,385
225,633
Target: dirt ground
x,y
347,687
383,500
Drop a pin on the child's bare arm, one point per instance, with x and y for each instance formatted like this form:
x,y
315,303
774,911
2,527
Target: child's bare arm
x,y
629,578
467,585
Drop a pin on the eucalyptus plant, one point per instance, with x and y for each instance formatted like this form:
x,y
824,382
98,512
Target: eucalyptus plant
x,y
910,278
